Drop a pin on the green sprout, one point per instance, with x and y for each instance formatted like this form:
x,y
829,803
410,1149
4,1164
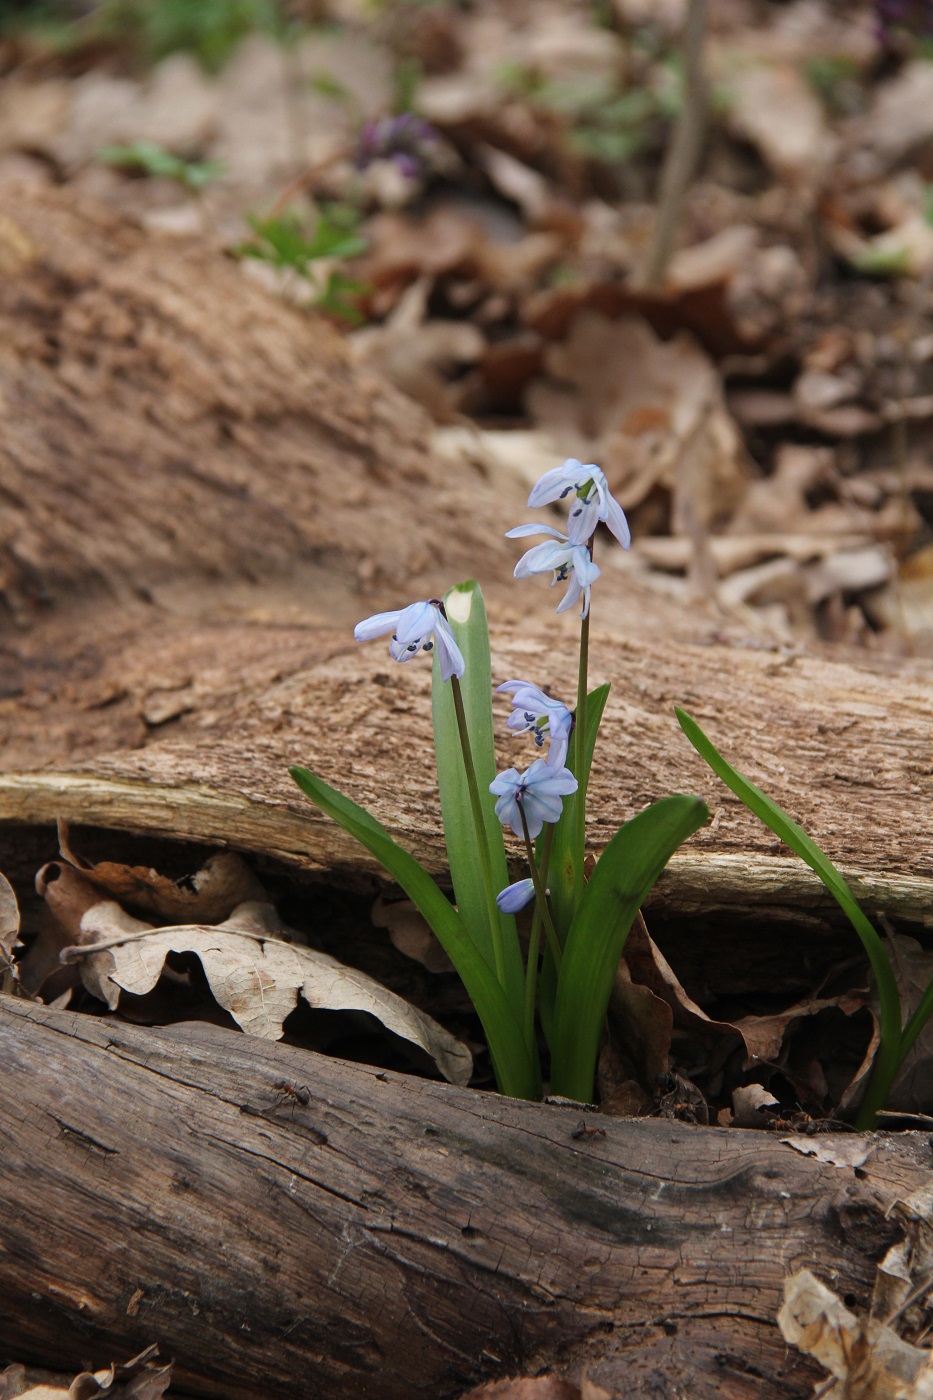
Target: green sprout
x,y
149,158
283,241
898,1029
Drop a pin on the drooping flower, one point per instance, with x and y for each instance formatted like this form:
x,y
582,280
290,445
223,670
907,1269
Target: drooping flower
x,y
516,896
537,792
538,713
415,628
593,500
561,556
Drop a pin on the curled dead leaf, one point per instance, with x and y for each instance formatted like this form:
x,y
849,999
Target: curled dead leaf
x,y
869,1359
9,934
209,895
254,974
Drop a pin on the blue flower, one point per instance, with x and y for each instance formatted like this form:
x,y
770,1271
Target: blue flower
x,y
533,710
515,897
593,500
415,628
537,792
567,559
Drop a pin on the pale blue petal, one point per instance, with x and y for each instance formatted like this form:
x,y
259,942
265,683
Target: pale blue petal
x,y
521,530
507,781
399,652
583,566
448,653
617,523
376,626
550,486
415,622
515,897
540,809
544,778
574,590
557,751
584,516
541,559
526,696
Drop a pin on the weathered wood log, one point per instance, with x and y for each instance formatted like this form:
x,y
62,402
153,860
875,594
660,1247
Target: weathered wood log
x,y
188,731
396,1237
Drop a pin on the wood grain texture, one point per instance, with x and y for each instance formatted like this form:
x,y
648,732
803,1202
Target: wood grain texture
x,y
396,1237
844,746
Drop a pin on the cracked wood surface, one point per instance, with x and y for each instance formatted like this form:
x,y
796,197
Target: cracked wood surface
x,y
399,1237
187,729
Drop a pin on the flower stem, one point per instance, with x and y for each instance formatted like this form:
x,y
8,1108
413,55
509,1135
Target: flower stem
x,y
579,758
540,894
489,884
534,943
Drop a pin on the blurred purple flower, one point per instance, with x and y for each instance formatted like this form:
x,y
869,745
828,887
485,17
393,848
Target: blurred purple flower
x,y
406,140
910,17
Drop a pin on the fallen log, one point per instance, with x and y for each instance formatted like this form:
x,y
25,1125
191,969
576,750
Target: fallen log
x,y
400,1238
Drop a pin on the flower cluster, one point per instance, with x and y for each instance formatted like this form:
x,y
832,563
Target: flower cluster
x,y
525,800
569,557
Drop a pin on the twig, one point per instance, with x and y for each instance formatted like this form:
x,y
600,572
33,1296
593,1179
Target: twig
x,y
683,153
76,951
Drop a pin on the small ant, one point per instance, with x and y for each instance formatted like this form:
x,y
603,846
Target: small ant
x,y
582,1131
298,1093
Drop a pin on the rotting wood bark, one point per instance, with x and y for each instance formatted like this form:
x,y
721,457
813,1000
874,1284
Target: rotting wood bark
x,y
843,746
399,1237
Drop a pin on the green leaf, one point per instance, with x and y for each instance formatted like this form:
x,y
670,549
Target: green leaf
x,y
153,159
621,880
889,1053
516,1075
467,616
561,880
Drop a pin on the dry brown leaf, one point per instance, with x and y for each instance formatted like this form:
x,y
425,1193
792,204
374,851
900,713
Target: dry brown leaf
x,y
9,934
775,107
255,975
143,1378
402,249
869,1359
912,1090
410,933
68,894
211,894
748,1103
901,115
620,396
836,1151
908,1265
525,1388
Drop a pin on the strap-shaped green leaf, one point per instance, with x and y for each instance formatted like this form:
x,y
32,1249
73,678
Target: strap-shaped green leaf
x,y
890,1051
466,613
562,869
621,880
516,1074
